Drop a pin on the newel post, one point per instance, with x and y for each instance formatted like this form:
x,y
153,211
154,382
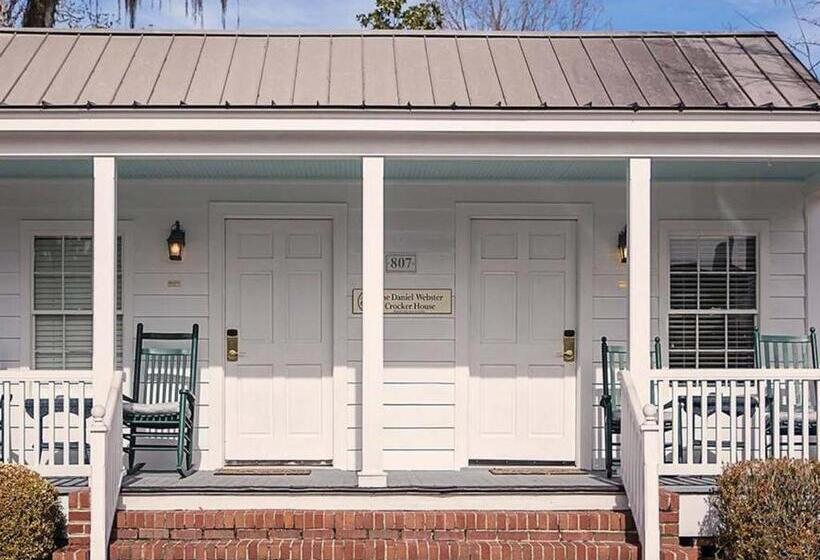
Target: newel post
x,y
651,433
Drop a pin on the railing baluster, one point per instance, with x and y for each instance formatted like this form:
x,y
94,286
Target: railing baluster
x,y
675,412
761,419
805,421
778,406
791,408
6,393
36,395
23,424
67,419
718,422
690,422
732,421
704,415
52,418
81,457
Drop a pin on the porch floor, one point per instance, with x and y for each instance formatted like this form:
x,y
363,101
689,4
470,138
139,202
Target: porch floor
x,y
326,480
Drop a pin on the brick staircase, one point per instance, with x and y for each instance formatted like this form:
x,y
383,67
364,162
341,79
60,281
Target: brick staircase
x,y
182,535
365,535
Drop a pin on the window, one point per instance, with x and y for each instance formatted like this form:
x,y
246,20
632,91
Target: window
x,y
62,302
713,300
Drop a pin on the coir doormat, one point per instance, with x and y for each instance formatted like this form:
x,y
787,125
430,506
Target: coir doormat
x,y
262,471
534,470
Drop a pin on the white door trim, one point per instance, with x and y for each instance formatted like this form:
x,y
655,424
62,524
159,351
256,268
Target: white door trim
x,y
218,213
583,215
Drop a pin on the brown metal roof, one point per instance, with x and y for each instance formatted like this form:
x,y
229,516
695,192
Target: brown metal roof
x,y
435,70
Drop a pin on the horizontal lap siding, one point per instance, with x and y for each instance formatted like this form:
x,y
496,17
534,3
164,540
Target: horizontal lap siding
x,y
419,351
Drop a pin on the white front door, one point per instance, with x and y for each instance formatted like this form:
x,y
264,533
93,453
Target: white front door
x,y
522,394
278,394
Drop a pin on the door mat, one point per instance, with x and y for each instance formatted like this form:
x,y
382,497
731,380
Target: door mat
x,y
534,470
261,471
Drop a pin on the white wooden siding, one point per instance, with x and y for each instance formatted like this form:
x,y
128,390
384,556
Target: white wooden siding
x,y
419,351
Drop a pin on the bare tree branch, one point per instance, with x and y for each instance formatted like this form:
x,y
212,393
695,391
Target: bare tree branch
x,y
520,15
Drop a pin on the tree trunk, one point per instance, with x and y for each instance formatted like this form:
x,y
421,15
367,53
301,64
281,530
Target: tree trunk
x,y
40,13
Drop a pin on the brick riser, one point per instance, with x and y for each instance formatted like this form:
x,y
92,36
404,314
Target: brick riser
x,y
182,535
78,529
671,548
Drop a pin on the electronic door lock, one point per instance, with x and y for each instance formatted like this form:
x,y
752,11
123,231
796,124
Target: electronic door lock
x,y
569,346
232,343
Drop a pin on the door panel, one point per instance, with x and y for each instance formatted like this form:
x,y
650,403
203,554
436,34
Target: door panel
x,y
278,284
522,394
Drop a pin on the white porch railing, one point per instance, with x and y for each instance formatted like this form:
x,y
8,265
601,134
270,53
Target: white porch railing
x,y
107,458
45,420
639,464
715,417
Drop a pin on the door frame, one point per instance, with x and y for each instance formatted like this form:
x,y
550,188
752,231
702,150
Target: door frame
x,y
218,214
582,214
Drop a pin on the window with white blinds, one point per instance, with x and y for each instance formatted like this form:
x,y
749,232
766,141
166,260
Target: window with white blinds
x,y
62,302
713,300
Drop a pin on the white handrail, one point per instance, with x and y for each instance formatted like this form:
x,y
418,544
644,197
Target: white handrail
x,y
107,466
716,417
639,464
45,420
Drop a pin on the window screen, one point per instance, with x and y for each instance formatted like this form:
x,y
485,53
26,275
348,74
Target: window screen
x,y
713,301
62,302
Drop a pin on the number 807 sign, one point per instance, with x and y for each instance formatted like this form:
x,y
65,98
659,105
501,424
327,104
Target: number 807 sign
x,y
400,262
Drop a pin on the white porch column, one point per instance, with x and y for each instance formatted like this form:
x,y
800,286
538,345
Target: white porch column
x,y
372,472
639,228
813,257
105,276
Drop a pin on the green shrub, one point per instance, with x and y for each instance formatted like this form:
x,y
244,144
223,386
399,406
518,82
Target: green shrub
x,y
31,520
769,509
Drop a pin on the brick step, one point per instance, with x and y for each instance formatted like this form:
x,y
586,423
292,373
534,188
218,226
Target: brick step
x,y
678,552
72,552
381,549
599,526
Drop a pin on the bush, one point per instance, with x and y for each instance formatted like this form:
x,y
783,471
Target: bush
x,y
31,520
769,509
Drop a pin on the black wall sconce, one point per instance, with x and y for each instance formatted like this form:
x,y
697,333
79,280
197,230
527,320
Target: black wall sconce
x,y
622,246
176,242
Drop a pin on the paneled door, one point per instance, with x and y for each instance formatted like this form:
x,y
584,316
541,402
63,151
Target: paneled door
x,y
522,393
278,393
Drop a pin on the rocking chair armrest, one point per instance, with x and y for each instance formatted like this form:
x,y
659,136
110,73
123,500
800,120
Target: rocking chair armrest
x,y
188,395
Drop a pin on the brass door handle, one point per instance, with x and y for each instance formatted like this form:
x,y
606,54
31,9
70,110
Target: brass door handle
x,y
569,346
232,344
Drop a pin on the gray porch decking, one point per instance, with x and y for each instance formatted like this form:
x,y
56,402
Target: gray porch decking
x,y
334,481
473,480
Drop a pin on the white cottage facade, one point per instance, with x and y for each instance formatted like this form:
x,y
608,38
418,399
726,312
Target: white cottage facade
x,y
511,199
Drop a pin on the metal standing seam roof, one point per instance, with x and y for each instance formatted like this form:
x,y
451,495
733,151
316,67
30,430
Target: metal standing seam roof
x,y
401,70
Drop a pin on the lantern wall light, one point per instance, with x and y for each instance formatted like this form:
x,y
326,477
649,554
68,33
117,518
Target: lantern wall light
x,y
622,246
176,242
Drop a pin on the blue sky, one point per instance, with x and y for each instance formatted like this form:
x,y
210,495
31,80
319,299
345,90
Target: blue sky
x,y
636,15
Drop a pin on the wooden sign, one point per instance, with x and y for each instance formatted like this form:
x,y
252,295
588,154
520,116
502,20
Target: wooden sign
x,y
412,301
400,262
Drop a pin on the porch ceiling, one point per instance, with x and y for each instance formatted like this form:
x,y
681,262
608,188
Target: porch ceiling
x,y
412,170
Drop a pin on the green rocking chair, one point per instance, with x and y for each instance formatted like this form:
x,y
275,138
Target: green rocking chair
x,y
163,398
784,351
613,360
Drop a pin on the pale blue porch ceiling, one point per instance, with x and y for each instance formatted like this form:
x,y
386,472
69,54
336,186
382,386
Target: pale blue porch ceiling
x,y
410,170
